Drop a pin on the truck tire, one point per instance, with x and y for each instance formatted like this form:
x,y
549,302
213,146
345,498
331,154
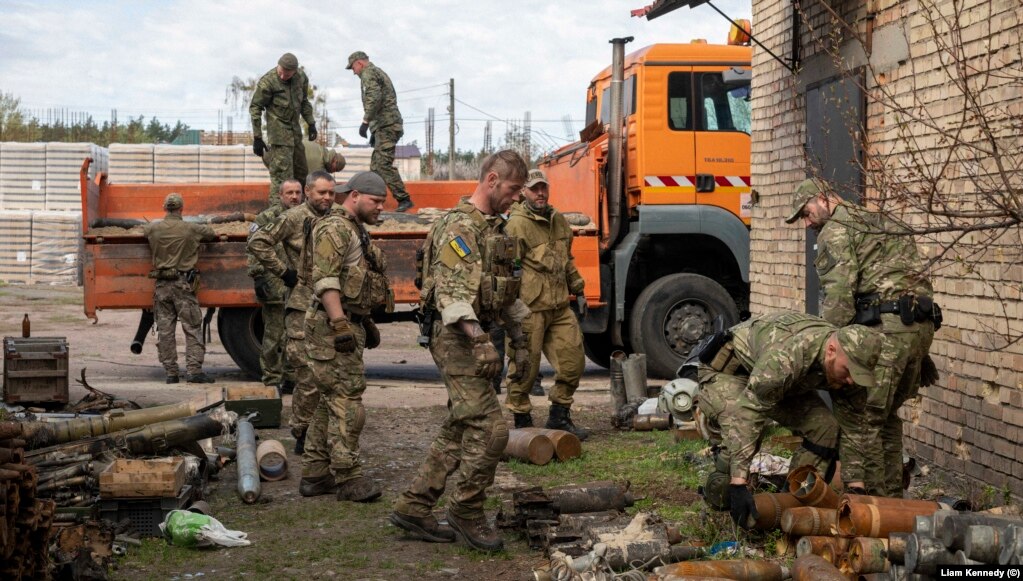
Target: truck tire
x,y
672,314
241,331
598,348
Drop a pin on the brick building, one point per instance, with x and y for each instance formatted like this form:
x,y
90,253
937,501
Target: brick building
x,y
828,106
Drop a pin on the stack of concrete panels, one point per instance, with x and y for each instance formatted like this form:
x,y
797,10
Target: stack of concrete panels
x,y
63,167
22,176
131,163
15,246
356,160
56,241
255,171
222,163
176,164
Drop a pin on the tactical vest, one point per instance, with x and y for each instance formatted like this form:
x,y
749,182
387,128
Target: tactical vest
x,y
364,285
788,325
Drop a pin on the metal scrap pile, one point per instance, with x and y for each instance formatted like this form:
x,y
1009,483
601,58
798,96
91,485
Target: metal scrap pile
x,y
25,521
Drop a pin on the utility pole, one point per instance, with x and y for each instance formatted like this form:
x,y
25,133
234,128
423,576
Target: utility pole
x,y
486,139
527,138
429,142
451,133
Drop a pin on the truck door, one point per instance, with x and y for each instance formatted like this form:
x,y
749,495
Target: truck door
x,y
723,141
667,163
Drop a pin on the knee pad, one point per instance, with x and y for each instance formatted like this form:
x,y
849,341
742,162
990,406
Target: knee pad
x,y
360,419
498,438
715,491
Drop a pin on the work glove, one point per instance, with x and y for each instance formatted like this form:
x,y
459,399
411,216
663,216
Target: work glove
x,y
521,359
290,278
372,333
363,130
344,338
488,362
928,372
582,305
261,291
312,132
741,504
258,147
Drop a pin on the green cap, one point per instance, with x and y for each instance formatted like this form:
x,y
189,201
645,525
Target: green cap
x,y
807,190
863,347
365,182
536,177
173,202
355,56
288,62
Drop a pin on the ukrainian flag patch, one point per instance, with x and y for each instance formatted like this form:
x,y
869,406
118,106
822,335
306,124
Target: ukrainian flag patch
x,y
460,247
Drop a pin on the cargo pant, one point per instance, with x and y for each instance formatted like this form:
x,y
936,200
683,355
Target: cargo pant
x,y
385,140
871,426
173,301
332,440
471,440
556,334
271,355
285,162
296,367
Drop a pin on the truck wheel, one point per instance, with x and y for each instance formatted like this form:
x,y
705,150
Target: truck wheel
x,y
241,331
671,315
598,348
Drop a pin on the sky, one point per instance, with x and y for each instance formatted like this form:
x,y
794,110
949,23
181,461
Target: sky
x,y
174,59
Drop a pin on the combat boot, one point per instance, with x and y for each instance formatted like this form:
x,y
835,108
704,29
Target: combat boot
x,y
477,533
317,485
300,444
561,419
287,386
523,420
173,379
405,205
359,489
425,528
199,378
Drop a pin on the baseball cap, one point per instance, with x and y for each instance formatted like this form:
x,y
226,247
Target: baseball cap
x,y
173,202
288,61
807,190
365,182
357,55
863,346
536,177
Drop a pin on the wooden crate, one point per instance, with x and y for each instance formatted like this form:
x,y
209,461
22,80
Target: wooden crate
x,y
35,370
128,478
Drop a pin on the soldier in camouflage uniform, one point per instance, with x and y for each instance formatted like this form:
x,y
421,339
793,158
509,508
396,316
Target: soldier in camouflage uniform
x,y
872,275
469,282
382,118
289,231
318,158
549,276
348,282
771,369
283,92
175,247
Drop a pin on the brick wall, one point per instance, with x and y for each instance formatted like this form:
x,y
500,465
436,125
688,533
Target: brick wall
x,y
971,422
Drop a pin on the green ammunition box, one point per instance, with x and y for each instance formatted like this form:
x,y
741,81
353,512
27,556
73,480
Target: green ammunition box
x,y
263,400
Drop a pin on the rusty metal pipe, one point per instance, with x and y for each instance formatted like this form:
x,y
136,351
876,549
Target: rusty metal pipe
x,y
618,396
566,445
923,506
925,554
954,528
743,570
272,460
529,447
248,470
870,520
42,434
809,520
868,555
591,497
813,568
809,487
831,553
897,547
770,506
651,422
813,545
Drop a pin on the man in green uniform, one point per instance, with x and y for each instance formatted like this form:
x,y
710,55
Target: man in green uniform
x,y
871,274
382,118
289,231
348,282
469,283
283,93
175,247
770,368
272,293
549,276
318,157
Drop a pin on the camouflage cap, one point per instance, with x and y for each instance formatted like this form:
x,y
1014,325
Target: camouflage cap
x,y
365,182
288,61
807,190
863,346
173,202
355,56
536,177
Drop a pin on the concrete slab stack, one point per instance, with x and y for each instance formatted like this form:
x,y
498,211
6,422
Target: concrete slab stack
x,y
56,241
63,167
22,176
176,164
131,163
15,246
222,163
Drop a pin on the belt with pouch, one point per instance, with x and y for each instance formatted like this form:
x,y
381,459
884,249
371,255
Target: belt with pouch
x,y
910,309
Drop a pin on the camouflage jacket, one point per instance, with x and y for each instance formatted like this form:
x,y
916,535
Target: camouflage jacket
x,y
316,156
345,259
854,258
549,272
264,218
175,243
288,231
379,102
285,103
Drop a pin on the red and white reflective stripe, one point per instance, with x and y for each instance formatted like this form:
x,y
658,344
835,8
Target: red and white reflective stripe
x,y
732,181
670,181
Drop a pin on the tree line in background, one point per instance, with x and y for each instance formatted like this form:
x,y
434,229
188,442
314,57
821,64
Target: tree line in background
x,y
18,125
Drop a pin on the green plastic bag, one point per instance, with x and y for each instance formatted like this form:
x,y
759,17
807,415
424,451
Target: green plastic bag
x,y
184,528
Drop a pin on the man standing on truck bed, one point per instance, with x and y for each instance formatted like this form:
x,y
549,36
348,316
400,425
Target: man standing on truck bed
x,y
469,281
289,230
283,92
272,294
349,283
382,118
549,276
175,247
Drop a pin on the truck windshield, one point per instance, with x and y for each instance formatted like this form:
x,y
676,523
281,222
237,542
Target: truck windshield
x,y
726,107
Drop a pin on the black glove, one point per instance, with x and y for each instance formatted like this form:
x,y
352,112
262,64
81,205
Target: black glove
x,y
344,338
258,147
363,130
290,278
741,506
372,333
261,291
312,132
582,305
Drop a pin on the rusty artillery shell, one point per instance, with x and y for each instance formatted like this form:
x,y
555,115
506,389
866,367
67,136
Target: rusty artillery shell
x,y
1012,546
868,555
924,554
873,577
813,545
272,460
734,569
921,506
813,568
983,543
809,487
785,546
875,521
960,558
248,471
591,497
955,526
843,564
831,553
529,447
809,520
651,422
770,506
897,547
566,444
